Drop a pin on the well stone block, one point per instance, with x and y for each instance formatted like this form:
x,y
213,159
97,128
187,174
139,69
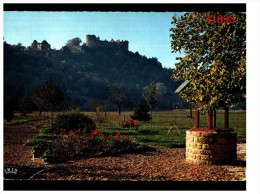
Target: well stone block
x,y
211,146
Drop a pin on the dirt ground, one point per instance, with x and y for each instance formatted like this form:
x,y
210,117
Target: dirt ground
x,y
162,164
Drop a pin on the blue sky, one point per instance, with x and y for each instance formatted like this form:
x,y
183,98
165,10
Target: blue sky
x,y
147,32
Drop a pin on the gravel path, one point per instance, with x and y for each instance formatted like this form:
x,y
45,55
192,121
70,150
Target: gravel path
x,y
163,164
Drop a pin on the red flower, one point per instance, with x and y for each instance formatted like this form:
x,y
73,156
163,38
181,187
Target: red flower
x,y
78,131
117,136
94,133
78,141
70,134
136,123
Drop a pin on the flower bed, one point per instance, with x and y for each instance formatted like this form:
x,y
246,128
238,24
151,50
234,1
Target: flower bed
x,y
75,145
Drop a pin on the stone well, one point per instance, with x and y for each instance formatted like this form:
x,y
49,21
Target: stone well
x,y
208,146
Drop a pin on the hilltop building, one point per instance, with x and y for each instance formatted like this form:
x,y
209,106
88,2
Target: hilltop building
x,y
43,46
94,42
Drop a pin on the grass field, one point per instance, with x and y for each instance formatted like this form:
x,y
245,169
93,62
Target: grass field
x,y
168,128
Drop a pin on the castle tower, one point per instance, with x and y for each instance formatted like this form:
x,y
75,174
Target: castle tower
x,y
91,40
125,45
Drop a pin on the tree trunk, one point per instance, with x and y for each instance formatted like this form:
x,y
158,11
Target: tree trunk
x,y
226,118
119,111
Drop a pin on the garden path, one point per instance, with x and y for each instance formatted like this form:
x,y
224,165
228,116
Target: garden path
x,y
163,164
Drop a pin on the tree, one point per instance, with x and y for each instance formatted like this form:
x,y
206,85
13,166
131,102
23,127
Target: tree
x,y
73,42
117,96
50,96
39,99
99,107
214,58
149,94
141,112
161,89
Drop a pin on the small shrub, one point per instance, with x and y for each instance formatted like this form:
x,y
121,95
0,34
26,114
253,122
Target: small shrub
x,y
73,120
141,112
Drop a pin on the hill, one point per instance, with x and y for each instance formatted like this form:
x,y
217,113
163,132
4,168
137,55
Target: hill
x,y
87,74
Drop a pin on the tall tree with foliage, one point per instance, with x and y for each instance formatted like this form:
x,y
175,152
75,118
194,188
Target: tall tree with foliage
x,y
214,57
149,94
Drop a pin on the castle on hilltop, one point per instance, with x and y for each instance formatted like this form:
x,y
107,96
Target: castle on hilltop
x,y
43,46
94,42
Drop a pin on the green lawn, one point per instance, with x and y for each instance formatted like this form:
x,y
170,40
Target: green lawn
x,y
168,128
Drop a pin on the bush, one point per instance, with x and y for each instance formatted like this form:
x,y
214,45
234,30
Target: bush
x,y
73,120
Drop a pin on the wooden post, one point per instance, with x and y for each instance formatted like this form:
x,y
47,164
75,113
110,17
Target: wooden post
x,y
226,118
209,119
196,118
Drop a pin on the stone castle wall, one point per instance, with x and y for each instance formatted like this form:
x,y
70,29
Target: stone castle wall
x,y
211,147
94,42
43,46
